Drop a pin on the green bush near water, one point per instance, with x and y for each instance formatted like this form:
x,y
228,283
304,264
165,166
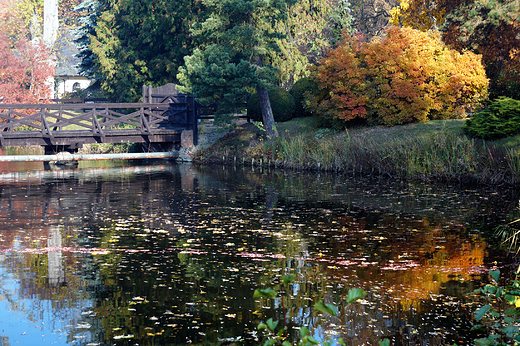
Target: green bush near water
x,y
302,89
282,104
499,120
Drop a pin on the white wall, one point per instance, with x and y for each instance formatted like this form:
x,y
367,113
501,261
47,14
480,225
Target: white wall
x,y
66,84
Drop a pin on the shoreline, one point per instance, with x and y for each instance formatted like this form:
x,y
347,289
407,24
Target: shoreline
x,y
433,151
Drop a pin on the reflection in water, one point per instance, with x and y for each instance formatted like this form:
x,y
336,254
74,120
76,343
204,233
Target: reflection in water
x,y
55,272
171,254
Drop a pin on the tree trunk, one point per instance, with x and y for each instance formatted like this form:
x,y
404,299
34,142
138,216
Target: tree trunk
x,y
267,113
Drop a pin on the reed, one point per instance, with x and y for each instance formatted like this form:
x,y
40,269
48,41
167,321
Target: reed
x,y
442,153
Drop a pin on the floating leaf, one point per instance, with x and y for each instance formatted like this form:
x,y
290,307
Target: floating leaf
x,y
495,274
266,293
384,342
326,308
287,279
272,324
481,311
355,294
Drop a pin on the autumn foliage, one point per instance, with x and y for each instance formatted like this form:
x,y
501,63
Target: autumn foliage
x,y
24,72
24,68
407,76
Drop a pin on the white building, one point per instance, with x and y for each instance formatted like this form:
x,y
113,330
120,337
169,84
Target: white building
x,y
67,77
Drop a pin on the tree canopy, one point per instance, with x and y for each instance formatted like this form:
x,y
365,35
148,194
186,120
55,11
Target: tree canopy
x,y
24,71
309,31
138,42
487,27
24,68
492,29
233,58
125,44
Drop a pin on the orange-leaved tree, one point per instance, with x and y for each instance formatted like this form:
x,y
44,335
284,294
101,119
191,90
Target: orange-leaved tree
x,y
342,82
406,76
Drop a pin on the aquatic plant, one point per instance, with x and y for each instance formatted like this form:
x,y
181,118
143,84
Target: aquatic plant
x,y
499,317
278,335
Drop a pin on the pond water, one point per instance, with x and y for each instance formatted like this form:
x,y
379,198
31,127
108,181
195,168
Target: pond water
x,y
129,253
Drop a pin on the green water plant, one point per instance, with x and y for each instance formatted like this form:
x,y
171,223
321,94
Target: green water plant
x,y
278,333
499,317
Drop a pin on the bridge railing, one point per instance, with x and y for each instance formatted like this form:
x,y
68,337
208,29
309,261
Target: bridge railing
x,y
95,118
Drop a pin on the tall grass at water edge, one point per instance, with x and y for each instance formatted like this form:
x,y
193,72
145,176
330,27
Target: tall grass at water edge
x,y
439,155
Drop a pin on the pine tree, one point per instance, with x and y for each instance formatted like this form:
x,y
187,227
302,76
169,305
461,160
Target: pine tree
x,y
138,42
88,11
236,39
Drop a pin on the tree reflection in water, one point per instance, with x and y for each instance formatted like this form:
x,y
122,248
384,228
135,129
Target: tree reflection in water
x,y
171,254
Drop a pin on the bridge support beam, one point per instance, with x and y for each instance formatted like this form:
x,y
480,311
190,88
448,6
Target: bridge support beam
x,y
70,148
188,148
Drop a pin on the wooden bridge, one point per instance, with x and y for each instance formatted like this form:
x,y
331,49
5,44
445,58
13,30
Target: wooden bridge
x,y
157,122
67,127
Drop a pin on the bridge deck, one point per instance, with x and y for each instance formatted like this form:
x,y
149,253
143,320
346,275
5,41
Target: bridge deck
x,y
77,124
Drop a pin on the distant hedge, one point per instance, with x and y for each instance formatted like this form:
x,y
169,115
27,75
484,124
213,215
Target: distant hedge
x,y
302,89
500,119
282,104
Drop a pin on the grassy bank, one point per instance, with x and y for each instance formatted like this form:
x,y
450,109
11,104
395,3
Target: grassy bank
x,y
436,150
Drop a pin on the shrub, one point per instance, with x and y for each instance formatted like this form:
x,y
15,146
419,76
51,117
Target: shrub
x,y
505,87
301,91
501,119
408,76
282,104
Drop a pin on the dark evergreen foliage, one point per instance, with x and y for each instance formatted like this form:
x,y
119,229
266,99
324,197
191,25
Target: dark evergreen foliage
x,y
501,119
141,42
90,11
302,89
282,104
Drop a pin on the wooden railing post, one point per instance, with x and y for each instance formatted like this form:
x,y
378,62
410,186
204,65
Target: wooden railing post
x,y
195,121
46,130
10,113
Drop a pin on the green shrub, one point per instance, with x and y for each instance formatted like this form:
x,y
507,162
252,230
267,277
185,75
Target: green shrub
x,y
282,104
300,91
500,119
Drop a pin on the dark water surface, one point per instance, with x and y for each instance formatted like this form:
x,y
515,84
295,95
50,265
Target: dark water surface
x,y
167,254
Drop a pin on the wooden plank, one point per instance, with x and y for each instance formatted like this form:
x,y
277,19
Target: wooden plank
x,y
145,127
46,131
96,128
74,106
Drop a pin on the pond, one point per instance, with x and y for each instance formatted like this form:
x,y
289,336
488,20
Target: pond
x,y
134,253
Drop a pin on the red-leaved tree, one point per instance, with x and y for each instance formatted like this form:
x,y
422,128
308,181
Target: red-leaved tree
x,y
25,70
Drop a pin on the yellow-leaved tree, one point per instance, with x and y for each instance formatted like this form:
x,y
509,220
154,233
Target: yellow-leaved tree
x,y
407,76
420,14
